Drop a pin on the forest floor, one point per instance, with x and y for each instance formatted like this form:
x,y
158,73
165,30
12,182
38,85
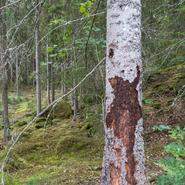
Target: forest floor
x,y
58,154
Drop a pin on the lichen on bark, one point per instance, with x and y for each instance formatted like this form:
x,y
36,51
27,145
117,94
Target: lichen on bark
x,y
124,151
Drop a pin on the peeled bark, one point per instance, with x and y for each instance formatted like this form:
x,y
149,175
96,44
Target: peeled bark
x,y
124,148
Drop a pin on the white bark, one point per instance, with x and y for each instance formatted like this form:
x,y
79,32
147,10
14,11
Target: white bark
x,y
124,151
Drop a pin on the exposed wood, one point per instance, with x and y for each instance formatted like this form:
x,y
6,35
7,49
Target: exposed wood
x,y
124,150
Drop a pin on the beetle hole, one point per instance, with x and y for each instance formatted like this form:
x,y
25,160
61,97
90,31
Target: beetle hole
x,y
111,53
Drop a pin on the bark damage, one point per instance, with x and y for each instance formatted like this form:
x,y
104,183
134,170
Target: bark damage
x,y
125,111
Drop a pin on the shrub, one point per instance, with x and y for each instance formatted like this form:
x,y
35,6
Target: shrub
x,y
174,166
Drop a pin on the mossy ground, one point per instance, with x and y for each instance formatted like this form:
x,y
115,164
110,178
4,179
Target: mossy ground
x,y
52,153
58,154
162,88
160,91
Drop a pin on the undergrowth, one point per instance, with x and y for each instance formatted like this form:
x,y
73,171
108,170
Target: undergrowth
x,y
174,163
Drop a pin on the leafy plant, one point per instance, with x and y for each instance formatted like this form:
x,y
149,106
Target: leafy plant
x,y
175,171
174,166
15,99
178,134
85,7
148,101
161,128
176,149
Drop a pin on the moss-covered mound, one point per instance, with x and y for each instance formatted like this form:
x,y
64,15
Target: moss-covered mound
x,y
60,110
164,97
56,155
166,81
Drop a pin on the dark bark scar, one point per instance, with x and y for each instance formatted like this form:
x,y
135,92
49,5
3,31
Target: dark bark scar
x,y
112,47
111,53
125,111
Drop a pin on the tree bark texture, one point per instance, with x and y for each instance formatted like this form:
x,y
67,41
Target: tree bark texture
x,y
124,148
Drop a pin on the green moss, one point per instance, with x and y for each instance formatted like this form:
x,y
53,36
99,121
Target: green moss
x,y
50,154
21,123
167,81
40,123
157,105
71,143
10,180
63,110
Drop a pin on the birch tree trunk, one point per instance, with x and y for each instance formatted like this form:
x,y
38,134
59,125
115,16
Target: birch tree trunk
x,y
124,151
37,59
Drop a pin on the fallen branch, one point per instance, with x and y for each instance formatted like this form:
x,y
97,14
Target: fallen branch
x,y
10,4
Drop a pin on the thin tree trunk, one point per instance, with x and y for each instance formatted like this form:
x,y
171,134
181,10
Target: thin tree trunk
x,y
63,86
52,83
17,73
61,79
48,76
74,95
11,69
124,151
3,72
37,60
5,105
75,104
34,72
27,70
